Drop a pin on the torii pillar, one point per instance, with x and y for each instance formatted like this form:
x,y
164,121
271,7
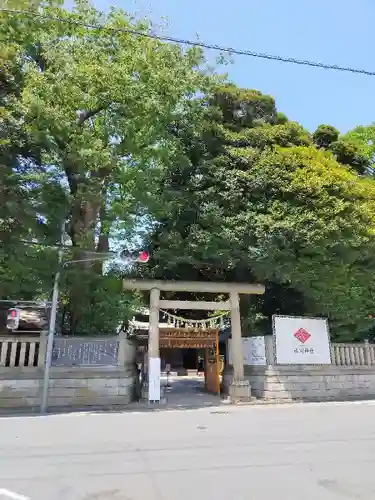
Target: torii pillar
x,y
153,330
236,344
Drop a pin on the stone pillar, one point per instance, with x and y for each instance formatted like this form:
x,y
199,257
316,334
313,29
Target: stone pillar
x,y
270,350
42,349
153,331
236,344
153,345
240,389
121,356
367,353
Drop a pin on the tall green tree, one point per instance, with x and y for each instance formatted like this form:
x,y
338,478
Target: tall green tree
x,y
96,104
22,274
252,199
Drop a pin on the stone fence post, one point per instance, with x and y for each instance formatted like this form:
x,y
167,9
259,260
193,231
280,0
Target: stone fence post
x,y
367,353
42,348
121,348
270,349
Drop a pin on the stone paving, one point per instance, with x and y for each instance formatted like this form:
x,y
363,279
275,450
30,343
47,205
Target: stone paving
x,y
188,391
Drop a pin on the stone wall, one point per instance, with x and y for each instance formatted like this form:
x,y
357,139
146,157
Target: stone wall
x,y
311,383
69,386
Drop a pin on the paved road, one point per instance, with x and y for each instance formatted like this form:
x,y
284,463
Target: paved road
x,y
301,452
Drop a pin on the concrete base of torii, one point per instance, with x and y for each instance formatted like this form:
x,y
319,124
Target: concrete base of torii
x,y
240,392
236,390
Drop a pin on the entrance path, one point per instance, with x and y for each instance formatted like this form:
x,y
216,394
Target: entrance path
x,y
188,392
291,452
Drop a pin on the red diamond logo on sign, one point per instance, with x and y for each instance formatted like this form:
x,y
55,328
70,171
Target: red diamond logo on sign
x,y
302,335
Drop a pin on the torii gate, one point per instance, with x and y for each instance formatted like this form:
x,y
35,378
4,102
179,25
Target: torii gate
x,y
240,388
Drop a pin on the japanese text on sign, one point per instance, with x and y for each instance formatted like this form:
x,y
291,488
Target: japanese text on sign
x,y
303,350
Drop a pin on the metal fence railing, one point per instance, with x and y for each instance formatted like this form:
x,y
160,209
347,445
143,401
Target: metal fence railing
x,y
22,352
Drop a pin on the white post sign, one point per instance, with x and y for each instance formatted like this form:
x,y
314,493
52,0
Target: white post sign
x,y
254,351
154,370
301,341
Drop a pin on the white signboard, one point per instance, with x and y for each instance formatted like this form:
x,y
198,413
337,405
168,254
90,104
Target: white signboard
x,y
154,368
254,351
301,341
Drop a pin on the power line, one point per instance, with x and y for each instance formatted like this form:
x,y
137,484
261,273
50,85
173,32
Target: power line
x,y
180,41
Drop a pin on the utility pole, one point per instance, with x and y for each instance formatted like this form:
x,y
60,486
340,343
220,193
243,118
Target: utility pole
x,y
52,327
141,257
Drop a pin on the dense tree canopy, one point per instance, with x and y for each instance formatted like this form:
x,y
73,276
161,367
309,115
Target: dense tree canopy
x,y
254,200
346,149
363,138
103,131
85,115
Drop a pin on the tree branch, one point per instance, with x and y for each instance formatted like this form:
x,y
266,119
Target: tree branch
x,y
85,115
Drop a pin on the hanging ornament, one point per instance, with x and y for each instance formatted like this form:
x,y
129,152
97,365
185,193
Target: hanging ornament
x,y
180,322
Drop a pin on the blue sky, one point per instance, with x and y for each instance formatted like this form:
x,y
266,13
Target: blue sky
x,y
333,31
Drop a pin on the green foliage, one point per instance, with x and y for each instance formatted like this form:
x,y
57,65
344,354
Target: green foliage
x,y
346,149
348,153
100,312
312,226
325,135
242,107
266,205
85,116
106,130
364,138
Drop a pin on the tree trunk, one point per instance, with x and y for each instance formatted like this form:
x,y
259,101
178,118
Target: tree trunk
x,y
82,233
